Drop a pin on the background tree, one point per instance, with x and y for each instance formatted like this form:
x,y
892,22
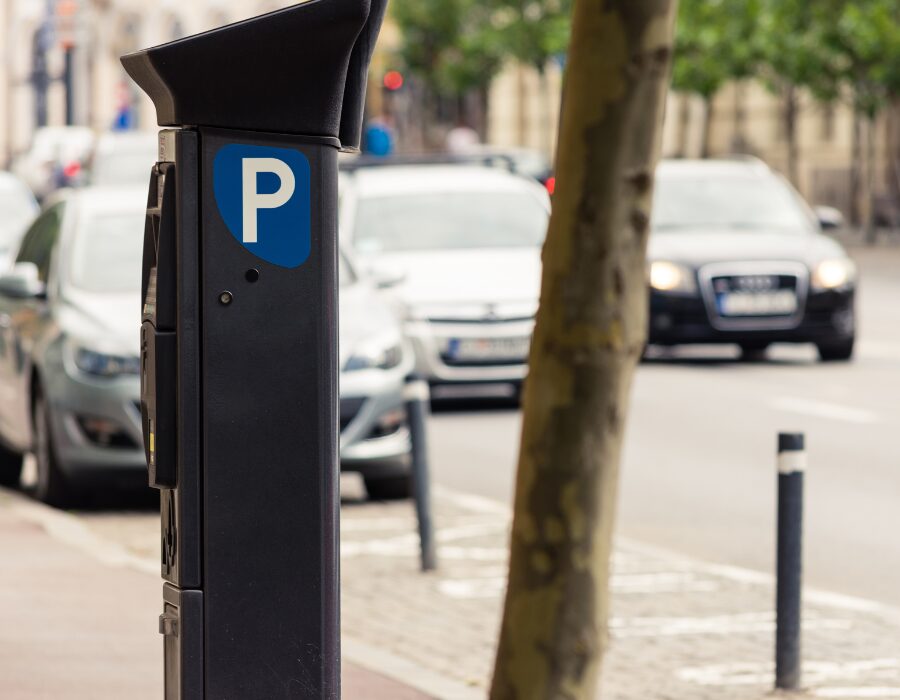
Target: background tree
x,y
533,32
863,37
795,58
590,332
452,47
716,41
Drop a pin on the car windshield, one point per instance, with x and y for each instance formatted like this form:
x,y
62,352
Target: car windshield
x,y
449,220
727,203
107,252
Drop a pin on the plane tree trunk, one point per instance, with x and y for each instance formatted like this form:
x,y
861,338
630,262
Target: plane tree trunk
x,y
590,332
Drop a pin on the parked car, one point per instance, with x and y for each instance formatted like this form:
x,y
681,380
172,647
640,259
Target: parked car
x,y
56,158
461,245
123,157
69,368
17,208
737,256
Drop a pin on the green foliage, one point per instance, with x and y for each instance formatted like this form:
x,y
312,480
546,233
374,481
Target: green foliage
x,y
533,31
863,38
452,45
827,46
715,41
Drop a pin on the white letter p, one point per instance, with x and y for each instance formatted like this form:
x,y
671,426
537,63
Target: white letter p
x,y
253,200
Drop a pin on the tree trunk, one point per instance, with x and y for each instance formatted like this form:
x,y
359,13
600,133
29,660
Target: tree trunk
x,y
790,134
738,137
546,129
684,123
590,332
870,188
522,100
709,113
855,177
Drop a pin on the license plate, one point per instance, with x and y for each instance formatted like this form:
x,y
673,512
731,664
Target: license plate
x,y
782,302
488,348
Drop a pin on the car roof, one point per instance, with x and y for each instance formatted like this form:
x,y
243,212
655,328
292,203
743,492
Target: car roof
x,y
714,167
406,179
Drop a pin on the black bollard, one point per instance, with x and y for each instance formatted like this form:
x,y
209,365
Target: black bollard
x,y
417,398
791,465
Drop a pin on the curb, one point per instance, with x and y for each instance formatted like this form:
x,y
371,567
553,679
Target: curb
x,y
69,529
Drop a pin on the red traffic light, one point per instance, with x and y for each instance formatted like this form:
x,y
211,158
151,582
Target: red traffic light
x,y
393,80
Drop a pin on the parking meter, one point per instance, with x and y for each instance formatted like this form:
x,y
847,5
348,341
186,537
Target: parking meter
x,y
239,343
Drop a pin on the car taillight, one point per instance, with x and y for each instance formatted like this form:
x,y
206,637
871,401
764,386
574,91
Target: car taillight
x,y
550,184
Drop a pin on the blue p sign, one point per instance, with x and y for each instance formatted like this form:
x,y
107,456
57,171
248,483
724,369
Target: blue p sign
x,y
263,197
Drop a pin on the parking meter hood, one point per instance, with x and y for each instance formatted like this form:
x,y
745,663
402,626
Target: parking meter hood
x,y
301,70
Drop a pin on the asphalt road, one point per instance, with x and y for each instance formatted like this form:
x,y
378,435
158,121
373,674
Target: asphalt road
x,y
699,471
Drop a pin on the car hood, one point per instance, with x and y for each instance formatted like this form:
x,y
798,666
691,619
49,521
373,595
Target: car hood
x,y
111,322
363,315
107,323
468,276
698,248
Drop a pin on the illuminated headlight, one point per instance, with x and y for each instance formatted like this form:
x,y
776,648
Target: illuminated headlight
x,y
832,274
671,277
378,353
103,365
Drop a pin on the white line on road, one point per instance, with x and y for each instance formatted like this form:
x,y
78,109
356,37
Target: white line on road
x,y
823,409
858,693
740,623
815,673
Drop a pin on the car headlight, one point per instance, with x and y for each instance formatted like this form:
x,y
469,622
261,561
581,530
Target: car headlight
x,y
672,277
377,353
832,274
101,364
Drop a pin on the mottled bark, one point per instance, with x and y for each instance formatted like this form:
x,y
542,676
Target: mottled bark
x,y
590,332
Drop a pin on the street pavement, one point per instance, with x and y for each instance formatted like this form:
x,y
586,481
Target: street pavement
x,y
692,591
699,464
81,596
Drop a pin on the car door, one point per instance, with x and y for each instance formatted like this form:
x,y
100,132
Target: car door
x,y
21,324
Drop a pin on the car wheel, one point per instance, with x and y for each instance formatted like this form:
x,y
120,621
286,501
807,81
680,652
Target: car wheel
x,y
836,351
51,486
10,467
392,488
753,352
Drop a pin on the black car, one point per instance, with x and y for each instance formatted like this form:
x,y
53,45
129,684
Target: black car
x,y
737,256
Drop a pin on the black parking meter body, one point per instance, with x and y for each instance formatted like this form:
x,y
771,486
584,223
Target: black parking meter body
x,y
239,344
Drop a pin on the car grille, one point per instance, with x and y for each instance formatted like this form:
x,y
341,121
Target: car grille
x,y
772,295
453,362
349,410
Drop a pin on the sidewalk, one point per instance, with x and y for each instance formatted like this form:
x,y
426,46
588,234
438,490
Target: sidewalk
x,y
77,627
681,629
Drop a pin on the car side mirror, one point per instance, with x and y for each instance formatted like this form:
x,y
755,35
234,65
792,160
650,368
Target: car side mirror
x,y
829,217
385,276
23,281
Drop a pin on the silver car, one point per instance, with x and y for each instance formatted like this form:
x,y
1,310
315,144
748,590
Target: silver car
x,y
69,369
461,245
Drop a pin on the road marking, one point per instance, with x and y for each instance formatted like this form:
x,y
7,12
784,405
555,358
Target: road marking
x,y
494,585
815,673
739,623
823,409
